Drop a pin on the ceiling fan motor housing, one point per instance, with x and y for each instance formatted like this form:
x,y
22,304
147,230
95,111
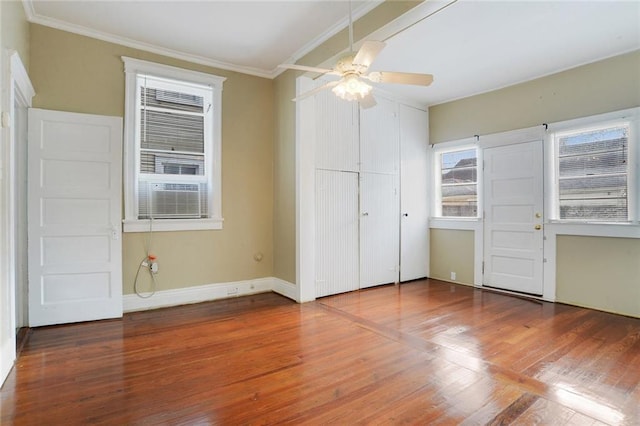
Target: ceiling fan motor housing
x,y
346,66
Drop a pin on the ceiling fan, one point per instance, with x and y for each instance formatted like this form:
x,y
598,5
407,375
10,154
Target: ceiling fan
x,y
352,72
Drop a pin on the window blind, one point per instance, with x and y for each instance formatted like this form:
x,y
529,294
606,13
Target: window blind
x,y
171,134
592,175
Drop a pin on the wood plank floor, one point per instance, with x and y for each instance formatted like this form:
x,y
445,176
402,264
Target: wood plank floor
x,y
425,352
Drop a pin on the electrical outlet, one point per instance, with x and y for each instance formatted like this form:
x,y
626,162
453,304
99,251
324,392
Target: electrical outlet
x,y
453,276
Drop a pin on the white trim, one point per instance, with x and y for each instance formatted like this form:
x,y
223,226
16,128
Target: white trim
x,y
17,88
21,79
358,13
134,67
123,41
405,21
629,116
171,225
462,224
207,292
538,77
34,17
138,66
284,288
618,230
593,120
436,178
511,137
305,193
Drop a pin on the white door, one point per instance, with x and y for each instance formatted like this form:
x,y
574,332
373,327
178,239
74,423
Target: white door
x,y
379,229
336,232
414,204
379,135
75,263
513,204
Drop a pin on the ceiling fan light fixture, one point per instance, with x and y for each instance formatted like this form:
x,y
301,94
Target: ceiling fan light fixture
x,y
351,88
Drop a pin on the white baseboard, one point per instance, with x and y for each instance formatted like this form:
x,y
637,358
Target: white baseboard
x,y
284,288
208,292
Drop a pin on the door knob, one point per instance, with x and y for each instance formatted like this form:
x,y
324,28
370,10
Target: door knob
x,y
538,227
365,214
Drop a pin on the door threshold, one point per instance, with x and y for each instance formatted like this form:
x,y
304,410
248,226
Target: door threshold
x,y
521,294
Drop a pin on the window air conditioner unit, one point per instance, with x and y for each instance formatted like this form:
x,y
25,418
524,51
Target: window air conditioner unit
x,y
175,201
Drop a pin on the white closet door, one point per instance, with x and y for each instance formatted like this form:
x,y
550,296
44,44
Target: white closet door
x,y
379,229
74,226
414,220
336,232
379,136
336,133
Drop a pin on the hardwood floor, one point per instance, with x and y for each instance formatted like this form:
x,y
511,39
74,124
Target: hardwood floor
x,y
425,352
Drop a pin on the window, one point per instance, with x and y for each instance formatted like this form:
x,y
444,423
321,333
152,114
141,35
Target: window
x,y
457,177
172,148
593,173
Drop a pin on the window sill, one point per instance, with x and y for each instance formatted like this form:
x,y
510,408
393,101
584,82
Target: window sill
x,y
459,223
595,229
164,225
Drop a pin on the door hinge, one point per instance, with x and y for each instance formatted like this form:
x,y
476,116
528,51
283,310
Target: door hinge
x,y
483,267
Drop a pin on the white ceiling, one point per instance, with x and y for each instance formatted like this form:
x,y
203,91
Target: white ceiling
x,y
471,46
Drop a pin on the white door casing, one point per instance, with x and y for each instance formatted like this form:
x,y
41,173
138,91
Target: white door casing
x,y
17,95
513,217
414,201
75,259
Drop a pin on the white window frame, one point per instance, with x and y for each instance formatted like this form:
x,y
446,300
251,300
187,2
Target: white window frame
x,y
213,151
629,117
436,153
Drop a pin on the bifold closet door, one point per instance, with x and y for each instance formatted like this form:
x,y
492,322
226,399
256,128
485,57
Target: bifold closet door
x,y
379,229
337,257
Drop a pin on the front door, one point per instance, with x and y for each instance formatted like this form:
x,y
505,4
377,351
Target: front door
x,y
513,217
74,218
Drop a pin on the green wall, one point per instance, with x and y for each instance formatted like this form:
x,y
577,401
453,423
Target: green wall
x,y
80,74
451,251
600,273
15,29
609,85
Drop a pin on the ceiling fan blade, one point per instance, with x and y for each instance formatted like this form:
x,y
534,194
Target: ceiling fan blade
x,y
367,53
306,68
368,101
400,78
316,90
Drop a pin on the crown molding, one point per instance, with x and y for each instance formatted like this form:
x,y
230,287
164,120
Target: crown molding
x,y
34,17
330,32
148,47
